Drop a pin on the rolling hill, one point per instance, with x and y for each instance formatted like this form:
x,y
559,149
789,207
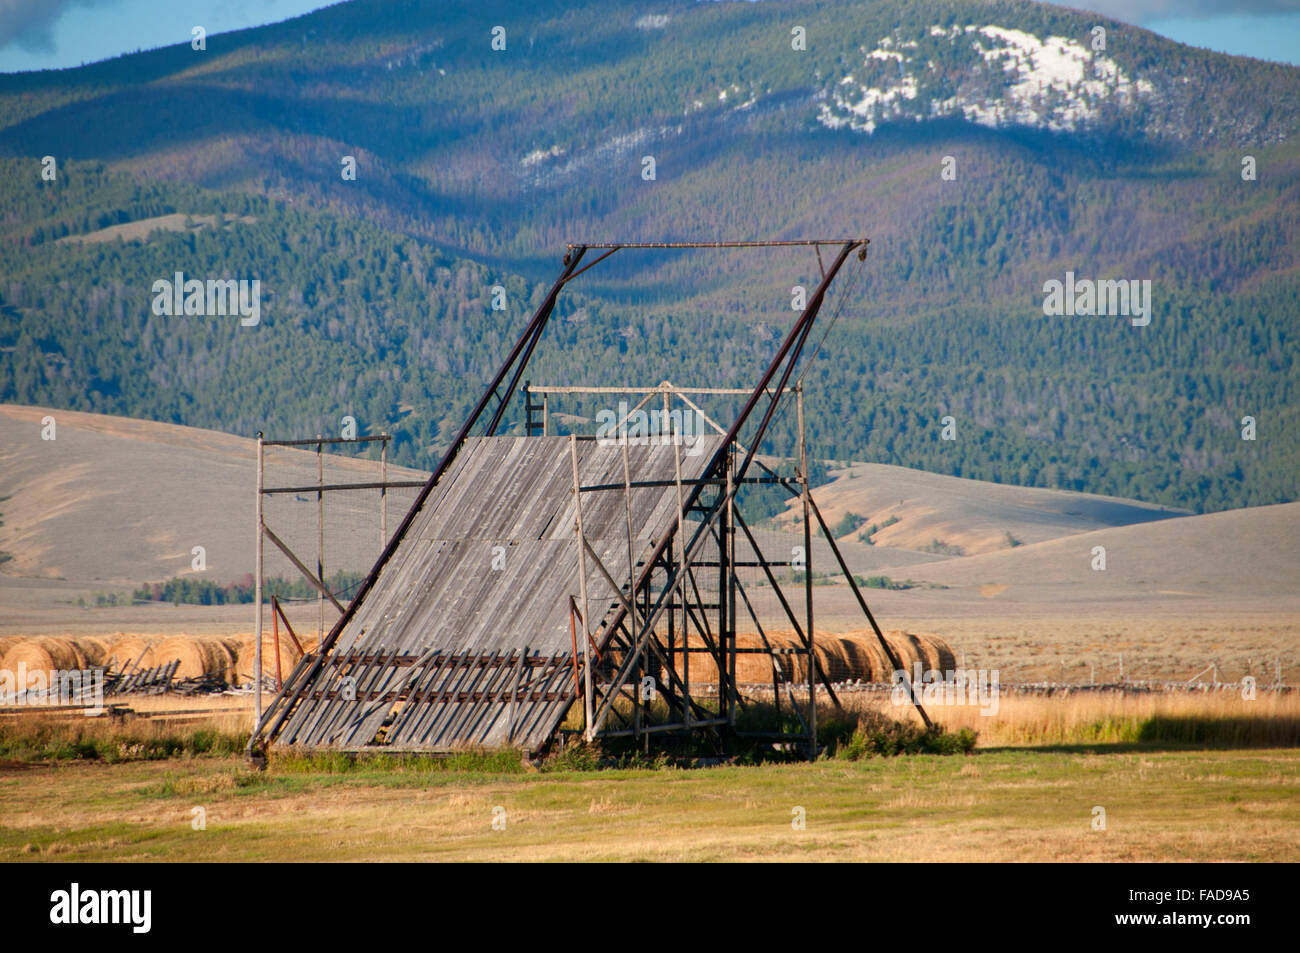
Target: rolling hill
x,y
925,512
1242,555
112,503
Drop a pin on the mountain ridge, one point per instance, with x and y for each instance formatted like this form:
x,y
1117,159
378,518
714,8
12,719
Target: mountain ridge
x,y
378,288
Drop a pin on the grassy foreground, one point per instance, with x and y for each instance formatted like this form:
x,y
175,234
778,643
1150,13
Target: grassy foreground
x,y
1032,804
1178,777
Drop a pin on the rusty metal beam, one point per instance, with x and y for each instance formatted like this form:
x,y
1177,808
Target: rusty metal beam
x,y
799,243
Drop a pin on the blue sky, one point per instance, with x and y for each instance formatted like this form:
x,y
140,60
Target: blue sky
x,y
53,34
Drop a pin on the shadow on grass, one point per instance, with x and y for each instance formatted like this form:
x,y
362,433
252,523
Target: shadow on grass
x,y
1180,733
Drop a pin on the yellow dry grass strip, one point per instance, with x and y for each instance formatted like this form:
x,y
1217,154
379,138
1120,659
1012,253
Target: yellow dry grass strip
x,y
1083,717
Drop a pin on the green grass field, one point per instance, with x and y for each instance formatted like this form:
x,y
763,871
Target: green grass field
x,y
1182,777
999,804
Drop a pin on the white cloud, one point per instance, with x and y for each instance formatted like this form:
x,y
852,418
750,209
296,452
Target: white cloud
x,y
29,24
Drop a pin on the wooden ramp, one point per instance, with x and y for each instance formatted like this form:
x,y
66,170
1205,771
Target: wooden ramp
x,y
466,637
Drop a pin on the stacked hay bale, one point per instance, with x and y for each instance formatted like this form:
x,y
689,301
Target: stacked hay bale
x,y
758,668
43,654
843,657
199,656
245,651
228,660
94,648
866,660
131,650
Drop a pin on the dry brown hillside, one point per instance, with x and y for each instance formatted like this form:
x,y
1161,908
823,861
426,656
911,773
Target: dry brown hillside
x,y
114,501
965,517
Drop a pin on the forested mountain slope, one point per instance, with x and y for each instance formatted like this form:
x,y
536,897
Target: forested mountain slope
x,y
475,165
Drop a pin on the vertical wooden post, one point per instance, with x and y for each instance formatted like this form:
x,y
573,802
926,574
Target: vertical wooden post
x,y
681,568
320,538
728,537
631,590
257,587
808,593
546,415
582,590
672,613
383,492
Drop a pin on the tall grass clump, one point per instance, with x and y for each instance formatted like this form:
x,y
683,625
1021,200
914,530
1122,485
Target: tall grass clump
x,y
854,736
35,739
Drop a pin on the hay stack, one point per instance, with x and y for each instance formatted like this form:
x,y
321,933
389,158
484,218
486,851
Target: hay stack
x,y
43,654
866,659
126,649
758,668
245,652
832,658
752,668
198,656
909,648
94,648
847,657
843,657
947,659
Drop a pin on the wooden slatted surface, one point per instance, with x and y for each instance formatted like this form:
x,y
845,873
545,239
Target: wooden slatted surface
x,y
464,638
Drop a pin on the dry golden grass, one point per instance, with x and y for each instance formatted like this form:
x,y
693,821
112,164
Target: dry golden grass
x,y
1096,717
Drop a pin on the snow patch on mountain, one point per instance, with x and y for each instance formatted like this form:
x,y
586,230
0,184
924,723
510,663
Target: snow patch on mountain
x,y
540,168
990,75
541,155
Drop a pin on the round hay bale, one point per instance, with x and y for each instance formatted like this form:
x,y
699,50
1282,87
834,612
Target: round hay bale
x,y
125,650
703,666
757,669
245,652
43,654
926,649
830,657
94,648
866,659
946,660
198,657
752,668
882,669
908,651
